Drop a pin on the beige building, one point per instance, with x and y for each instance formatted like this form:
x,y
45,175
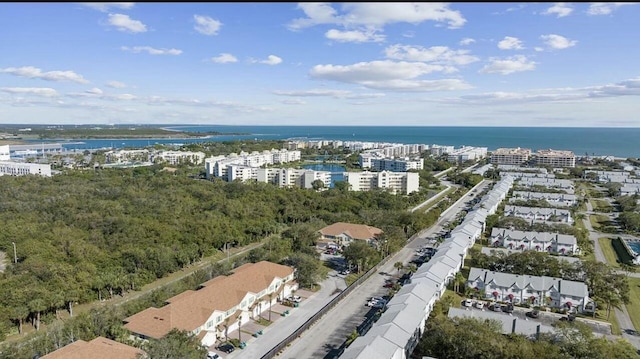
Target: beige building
x,y
555,158
98,348
396,182
219,306
510,156
345,233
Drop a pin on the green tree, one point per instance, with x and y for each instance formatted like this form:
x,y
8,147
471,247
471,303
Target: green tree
x,y
176,344
361,254
308,269
399,266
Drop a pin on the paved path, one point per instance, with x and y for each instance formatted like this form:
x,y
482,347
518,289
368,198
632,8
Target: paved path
x,y
621,314
330,331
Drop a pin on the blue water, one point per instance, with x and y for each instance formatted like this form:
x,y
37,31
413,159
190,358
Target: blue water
x,y
337,171
619,142
635,246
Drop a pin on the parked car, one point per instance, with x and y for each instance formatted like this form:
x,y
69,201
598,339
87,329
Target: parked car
x,y
495,307
479,305
295,298
467,303
345,272
226,348
389,284
569,318
507,308
213,355
533,314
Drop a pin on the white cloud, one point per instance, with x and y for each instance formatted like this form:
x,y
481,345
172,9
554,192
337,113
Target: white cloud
x,y
271,60
376,15
560,9
206,25
435,54
36,73
116,84
537,48
389,75
95,91
294,101
557,42
354,36
151,51
508,66
224,58
409,34
105,6
313,93
510,43
605,8
37,91
125,23
467,41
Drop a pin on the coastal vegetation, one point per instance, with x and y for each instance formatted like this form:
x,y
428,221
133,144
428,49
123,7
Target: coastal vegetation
x,y
105,132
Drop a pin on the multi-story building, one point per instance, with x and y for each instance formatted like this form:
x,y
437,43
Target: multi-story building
x,y
534,241
555,158
397,165
554,199
177,157
344,234
538,214
510,156
396,182
466,153
437,150
5,154
521,289
220,306
23,168
217,166
122,156
98,348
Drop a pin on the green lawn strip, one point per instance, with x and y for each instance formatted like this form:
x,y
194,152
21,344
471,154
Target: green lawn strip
x,y
456,299
634,305
600,205
350,278
608,251
597,220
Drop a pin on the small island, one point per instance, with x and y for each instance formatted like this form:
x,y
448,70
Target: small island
x,y
102,132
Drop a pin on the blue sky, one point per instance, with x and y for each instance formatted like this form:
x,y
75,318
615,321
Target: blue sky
x,y
421,64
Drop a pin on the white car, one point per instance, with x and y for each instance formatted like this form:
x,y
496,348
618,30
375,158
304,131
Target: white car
x,y
479,305
295,298
467,303
213,355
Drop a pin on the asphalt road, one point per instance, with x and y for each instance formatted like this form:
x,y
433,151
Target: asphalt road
x,y
334,327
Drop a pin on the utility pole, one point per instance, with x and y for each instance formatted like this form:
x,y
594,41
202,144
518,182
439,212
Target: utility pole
x,y
15,256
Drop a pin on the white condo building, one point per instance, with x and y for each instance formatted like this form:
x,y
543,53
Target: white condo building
x,y
467,153
397,182
5,153
555,158
177,157
22,169
217,166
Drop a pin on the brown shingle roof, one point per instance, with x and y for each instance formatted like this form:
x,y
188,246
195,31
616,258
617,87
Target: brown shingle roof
x,y
355,231
98,348
191,309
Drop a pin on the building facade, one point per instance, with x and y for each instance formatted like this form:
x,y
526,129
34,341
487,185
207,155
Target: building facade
x,y
396,182
510,156
22,169
534,241
555,158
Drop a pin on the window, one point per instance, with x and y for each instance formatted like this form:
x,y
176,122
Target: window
x,y
209,324
219,319
243,304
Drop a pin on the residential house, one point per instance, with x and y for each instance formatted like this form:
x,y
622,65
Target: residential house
x,y
219,306
521,289
538,214
534,241
98,348
554,199
344,234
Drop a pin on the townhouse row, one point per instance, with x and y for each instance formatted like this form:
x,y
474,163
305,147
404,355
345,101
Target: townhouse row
x,y
397,332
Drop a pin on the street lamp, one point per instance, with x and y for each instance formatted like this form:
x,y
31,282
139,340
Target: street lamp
x,y
15,256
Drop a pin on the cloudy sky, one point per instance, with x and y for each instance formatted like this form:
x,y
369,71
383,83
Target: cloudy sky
x,y
426,64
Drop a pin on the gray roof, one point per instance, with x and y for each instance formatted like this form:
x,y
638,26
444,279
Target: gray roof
x,y
543,283
372,347
523,326
424,292
530,235
536,210
392,333
506,251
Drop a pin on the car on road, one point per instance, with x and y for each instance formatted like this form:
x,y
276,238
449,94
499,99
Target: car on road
x,y
533,314
226,348
479,305
467,303
213,355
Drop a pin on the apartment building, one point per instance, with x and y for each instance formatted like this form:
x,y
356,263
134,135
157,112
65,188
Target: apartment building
x,y
397,165
5,153
123,156
542,290
510,156
177,157
466,153
219,306
563,184
555,158
22,169
396,182
554,199
437,150
344,234
534,241
537,214
217,166
98,348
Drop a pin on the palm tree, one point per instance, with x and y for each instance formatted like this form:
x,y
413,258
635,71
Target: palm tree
x,y
226,328
270,302
239,327
413,268
457,280
398,266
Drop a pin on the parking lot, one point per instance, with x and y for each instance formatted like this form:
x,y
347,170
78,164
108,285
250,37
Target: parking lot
x,y
547,318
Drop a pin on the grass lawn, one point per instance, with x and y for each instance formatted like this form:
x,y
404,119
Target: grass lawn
x,y
579,224
597,220
634,305
600,205
455,298
608,251
350,278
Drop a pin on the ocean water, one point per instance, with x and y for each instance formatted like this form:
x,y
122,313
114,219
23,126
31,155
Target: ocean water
x,y
619,142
